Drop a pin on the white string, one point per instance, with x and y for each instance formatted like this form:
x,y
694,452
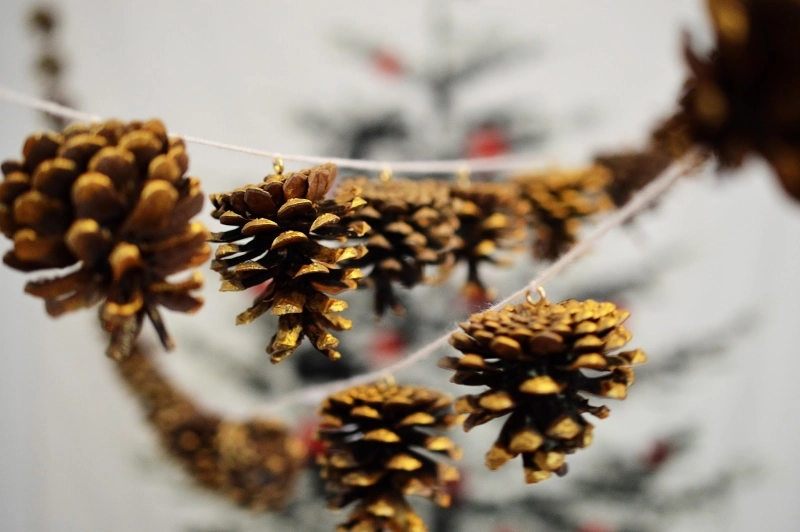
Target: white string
x,y
657,187
485,164
45,106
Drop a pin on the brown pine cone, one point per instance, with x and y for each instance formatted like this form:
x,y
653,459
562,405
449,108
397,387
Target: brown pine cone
x,y
253,463
412,225
559,201
531,357
744,97
113,198
284,221
491,220
631,171
371,435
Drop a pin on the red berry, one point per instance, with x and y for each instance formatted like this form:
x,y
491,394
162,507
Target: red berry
x,y
487,141
658,454
387,345
387,63
308,434
594,527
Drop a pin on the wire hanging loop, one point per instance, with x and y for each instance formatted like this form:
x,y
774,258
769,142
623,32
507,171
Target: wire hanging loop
x,y
277,165
542,296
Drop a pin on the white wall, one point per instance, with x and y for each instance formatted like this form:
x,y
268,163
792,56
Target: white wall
x,y
235,72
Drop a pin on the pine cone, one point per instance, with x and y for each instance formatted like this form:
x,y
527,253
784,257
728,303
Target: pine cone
x,y
744,97
490,218
255,463
632,171
531,357
285,219
371,433
112,197
559,201
413,225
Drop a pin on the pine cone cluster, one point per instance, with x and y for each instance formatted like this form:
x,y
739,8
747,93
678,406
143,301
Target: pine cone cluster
x,y
413,225
744,97
280,227
371,435
254,463
559,201
111,197
490,220
531,357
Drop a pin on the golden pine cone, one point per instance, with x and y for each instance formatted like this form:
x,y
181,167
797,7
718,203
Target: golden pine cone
x,y
631,171
412,225
112,197
490,220
743,98
559,201
253,463
284,221
531,358
371,433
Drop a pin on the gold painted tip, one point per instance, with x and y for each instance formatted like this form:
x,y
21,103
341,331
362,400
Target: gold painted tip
x,y
382,435
534,476
497,401
614,390
549,461
541,385
526,441
418,418
564,429
403,462
288,238
497,457
231,286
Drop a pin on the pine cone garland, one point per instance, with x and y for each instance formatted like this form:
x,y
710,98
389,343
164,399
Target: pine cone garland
x,y
490,220
284,221
113,198
371,435
412,225
254,463
559,201
744,97
531,357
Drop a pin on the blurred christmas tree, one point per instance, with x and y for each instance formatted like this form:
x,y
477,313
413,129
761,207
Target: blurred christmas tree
x,y
622,489
458,60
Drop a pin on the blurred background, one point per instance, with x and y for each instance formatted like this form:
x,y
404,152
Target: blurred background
x,y
706,440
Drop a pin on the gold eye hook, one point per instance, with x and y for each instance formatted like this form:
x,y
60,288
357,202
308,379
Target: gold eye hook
x,y
542,296
277,165
386,174
389,379
462,177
